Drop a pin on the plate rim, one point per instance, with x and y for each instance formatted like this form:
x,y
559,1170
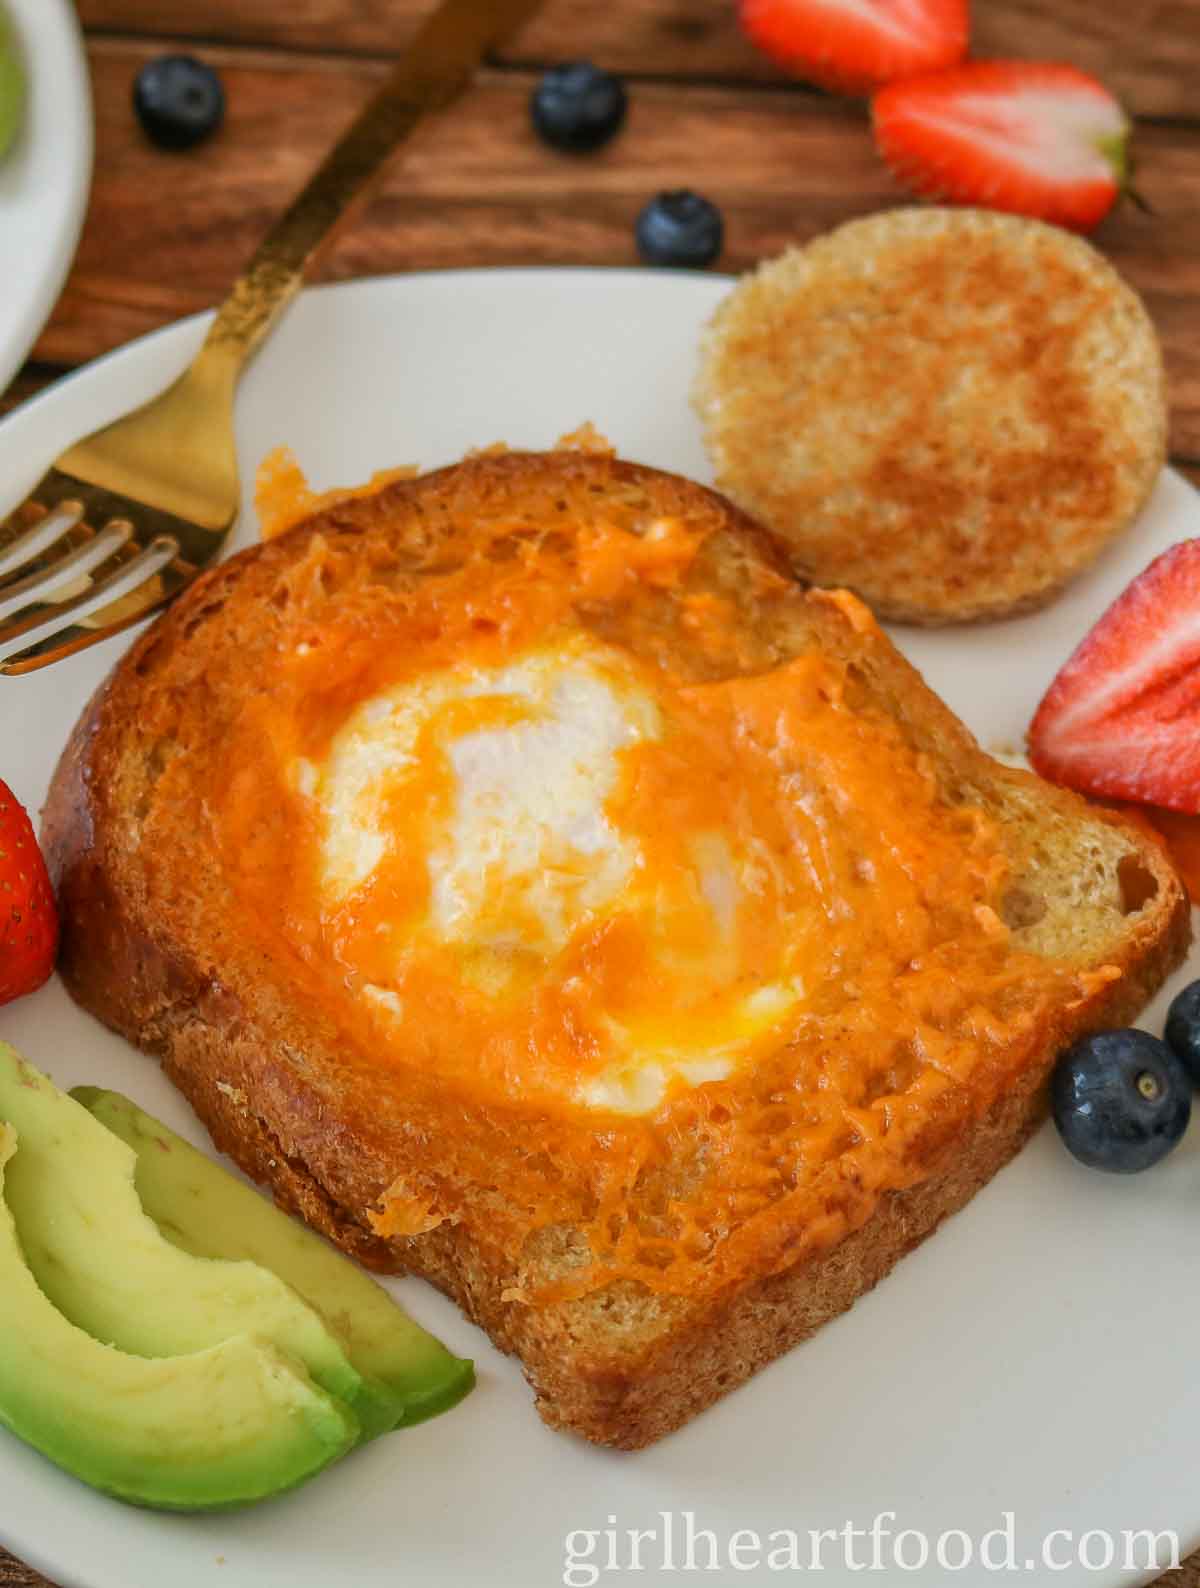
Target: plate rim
x,y
349,285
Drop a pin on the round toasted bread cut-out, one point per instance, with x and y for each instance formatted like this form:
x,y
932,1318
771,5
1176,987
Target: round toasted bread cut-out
x,y
950,412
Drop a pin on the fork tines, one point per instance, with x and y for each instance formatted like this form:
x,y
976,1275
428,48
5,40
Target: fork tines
x,y
69,544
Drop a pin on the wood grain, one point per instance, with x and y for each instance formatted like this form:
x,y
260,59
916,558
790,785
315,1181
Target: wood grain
x,y
14,1575
1149,50
31,380
476,185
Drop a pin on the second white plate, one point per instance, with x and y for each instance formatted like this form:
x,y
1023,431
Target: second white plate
x,y
44,179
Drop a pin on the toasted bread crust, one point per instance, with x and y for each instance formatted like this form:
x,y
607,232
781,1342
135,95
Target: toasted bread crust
x,y
616,1366
951,412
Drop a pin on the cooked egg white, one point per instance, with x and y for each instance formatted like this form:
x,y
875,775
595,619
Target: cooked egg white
x,y
526,853
529,795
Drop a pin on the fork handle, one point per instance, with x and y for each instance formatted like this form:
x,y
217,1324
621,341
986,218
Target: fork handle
x,y
433,71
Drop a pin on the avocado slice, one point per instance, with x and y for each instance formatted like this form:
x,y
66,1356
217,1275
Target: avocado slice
x,y
208,1213
207,1431
105,1264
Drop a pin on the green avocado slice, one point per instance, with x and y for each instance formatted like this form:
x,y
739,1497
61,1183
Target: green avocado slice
x,y
207,1431
208,1213
105,1263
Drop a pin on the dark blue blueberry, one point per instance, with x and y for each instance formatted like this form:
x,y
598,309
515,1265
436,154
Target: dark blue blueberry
x,y
179,101
577,107
1121,1100
1183,1029
680,229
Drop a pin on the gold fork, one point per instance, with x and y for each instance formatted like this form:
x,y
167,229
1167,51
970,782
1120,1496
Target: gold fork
x,y
142,505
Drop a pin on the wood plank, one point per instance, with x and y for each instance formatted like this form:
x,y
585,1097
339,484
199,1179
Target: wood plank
x,y
28,382
1149,50
14,1575
1188,1575
166,233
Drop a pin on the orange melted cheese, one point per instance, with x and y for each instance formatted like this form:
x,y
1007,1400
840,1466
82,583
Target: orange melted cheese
x,y
284,498
758,898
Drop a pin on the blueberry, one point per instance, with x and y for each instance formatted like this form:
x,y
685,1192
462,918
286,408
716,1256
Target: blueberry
x,y
179,101
680,229
577,107
1183,1029
1121,1100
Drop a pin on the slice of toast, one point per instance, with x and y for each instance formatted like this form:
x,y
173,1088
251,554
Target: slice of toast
x,y
673,963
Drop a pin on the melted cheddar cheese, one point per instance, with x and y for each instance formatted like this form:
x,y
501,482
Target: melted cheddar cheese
x,y
676,952
583,884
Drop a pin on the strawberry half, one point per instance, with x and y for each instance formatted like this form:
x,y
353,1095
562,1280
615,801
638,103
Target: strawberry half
x,y
855,45
1045,141
1123,716
28,919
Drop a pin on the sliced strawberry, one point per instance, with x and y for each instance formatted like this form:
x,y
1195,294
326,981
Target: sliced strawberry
x,y
855,45
1123,716
28,919
1046,141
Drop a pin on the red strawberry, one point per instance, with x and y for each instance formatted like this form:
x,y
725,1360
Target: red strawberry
x,y
855,45
1046,141
1123,716
28,919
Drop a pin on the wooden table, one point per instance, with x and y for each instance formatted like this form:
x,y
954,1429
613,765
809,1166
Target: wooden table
x,y
166,233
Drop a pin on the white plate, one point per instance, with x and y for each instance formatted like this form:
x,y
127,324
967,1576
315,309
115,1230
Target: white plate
x,y
45,176
1037,1356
